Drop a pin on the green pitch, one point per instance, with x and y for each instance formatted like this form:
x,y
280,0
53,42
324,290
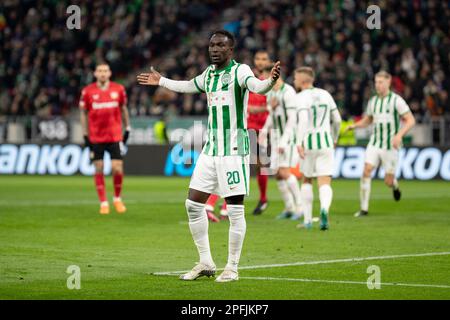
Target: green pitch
x,y
50,223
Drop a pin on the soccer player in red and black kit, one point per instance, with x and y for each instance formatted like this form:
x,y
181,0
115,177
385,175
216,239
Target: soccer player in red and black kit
x,y
257,115
102,106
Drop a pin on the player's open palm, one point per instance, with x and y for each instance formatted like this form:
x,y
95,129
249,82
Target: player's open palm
x,y
149,79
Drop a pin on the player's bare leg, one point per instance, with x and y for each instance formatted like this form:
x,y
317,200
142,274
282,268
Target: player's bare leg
x,y
364,193
100,186
391,182
198,224
326,196
238,227
117,172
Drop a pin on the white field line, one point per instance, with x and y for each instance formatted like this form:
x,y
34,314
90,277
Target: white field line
x,y
302,263
348,282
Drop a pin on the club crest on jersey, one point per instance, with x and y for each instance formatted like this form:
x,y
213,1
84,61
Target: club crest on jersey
x,y
226,78
114,95
95,96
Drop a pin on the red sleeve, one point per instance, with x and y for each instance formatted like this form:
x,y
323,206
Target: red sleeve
x,y
84,100
123,97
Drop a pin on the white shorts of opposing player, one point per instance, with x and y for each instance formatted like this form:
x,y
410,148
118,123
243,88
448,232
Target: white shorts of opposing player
x,y
226,176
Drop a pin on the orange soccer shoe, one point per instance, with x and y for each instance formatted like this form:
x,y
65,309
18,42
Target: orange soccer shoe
x,y
104,208
119,206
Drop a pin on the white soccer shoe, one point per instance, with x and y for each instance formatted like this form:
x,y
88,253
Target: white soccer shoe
x,y
198,271
227,276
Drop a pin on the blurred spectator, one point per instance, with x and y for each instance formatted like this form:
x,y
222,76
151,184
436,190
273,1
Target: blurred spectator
x,y
43,65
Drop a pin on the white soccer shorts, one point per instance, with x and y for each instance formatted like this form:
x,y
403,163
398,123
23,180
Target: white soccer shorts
x,y
288,159
223,175
318,163
388,158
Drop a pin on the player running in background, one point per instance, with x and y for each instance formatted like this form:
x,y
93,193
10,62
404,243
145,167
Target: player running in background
x,y
223,165
102,106
384,110
211,204
284,156
257,115
318,132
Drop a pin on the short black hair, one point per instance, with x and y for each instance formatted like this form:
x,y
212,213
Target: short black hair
x,y
227,34
264,51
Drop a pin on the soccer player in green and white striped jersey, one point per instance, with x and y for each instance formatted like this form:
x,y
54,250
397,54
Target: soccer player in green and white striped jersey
x,y
284,155
384,110
318,131
223,166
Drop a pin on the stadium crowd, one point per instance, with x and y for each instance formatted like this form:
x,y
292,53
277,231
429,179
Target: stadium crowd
x,y
43,65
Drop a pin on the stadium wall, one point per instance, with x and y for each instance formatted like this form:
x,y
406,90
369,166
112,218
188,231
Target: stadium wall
x,y
424,163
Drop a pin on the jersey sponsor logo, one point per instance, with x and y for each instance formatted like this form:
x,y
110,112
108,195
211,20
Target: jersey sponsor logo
x,y
105,105
114,95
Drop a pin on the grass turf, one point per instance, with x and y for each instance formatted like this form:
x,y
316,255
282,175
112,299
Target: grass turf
x,y
49,223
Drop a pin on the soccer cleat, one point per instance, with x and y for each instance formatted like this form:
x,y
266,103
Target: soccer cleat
x,y
104,208
211,216
227,276
397,194
284,215
119,206
361,213
260,207
296,216
198,271
323,220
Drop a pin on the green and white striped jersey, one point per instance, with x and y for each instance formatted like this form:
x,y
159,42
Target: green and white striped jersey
x,y
319,105
227,96
386,112
286,107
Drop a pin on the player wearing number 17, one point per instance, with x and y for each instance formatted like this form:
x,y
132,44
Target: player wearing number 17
x,y
318,130
223,166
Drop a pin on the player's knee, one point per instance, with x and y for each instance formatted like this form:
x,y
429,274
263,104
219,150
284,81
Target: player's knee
x,y
389,181
367,172
194,209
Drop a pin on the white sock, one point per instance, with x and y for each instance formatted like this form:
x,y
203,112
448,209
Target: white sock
x,y
294,188
326,196
236,235
395,184
364,193
198,224
286,195
307,201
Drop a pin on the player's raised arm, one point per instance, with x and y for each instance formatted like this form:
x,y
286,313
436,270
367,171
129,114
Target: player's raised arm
x,y
248,80
154,78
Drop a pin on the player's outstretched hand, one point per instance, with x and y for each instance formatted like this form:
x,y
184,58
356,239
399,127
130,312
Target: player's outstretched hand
x,y
275,72
149,79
